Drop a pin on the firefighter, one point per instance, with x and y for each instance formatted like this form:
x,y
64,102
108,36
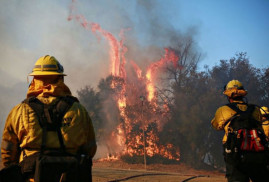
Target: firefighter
x,y
265,119
235,169
31,128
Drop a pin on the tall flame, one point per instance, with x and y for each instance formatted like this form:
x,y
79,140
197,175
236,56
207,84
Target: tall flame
x,y
117,48
169,56
128,133
138,71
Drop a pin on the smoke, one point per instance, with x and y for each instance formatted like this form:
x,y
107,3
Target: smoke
x,y
31,29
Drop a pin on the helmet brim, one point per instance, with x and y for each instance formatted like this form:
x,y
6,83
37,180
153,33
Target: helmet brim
x,y
45,73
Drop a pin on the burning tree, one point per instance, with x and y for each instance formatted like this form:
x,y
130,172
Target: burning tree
x,y
173,122
130,127
137,124
121,128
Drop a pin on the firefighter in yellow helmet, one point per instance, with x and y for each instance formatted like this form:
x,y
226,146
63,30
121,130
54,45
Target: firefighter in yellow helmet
x,y
49,128
265,118
233,118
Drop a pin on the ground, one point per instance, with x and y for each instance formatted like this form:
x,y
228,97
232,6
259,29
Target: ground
x,y
115,171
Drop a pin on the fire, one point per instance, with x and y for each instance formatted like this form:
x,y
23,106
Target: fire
x,y
117,49
169,56
150,86
139,125
138,71
122,103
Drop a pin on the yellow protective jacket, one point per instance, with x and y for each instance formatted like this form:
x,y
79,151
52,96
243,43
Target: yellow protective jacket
x,y
22,131
225,113
265,127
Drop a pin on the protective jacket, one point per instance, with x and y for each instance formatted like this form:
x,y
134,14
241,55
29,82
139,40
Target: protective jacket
x,y
22,134
225,113
266,127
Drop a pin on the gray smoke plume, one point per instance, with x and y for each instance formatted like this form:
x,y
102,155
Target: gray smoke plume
x,y
31,29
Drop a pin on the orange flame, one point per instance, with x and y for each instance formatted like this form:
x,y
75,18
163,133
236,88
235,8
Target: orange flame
x,y
150,86
169,56
117,49
123,132
137,69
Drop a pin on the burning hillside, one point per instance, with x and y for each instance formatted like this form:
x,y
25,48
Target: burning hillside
x,y
136,129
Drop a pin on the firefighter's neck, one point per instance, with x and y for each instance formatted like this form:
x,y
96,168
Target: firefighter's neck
x,y
231,100
264,118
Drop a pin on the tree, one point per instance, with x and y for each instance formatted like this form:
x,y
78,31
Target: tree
x,y
265,87
90,99
192,98
195,97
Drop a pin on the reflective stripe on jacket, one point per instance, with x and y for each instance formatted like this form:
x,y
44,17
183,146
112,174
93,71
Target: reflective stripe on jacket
x,y
265,127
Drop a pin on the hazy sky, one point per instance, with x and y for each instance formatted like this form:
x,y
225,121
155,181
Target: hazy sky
x,y
31,29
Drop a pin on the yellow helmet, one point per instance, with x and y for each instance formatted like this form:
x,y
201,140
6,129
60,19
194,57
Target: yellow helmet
x,y
234,88
264,110
47,65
